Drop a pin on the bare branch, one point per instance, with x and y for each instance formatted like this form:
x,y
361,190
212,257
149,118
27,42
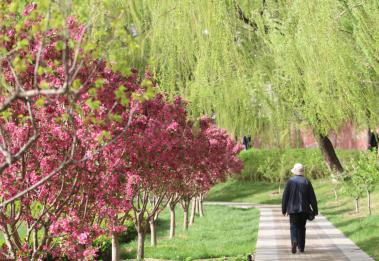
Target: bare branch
x,y
46,92
8,54
5,105
7,155
39,53
78,48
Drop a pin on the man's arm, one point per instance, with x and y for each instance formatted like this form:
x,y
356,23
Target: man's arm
x,y
312,199
285,198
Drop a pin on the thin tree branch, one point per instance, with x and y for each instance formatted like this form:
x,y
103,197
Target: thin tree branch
x,y
39,53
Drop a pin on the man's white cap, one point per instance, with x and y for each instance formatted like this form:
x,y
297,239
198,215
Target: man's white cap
x,y
298,169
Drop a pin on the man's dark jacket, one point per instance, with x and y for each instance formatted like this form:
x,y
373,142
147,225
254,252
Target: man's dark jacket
x,y
298,196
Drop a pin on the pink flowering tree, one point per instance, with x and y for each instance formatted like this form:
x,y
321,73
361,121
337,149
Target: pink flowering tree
x,y
63,121
154,154
27,55
215,158
71,128
210,157
184,170
73,203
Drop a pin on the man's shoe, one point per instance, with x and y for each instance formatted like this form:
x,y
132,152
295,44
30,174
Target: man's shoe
x,y
301,250
294,246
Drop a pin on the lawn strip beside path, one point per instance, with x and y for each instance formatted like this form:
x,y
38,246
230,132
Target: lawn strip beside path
x,y
222,232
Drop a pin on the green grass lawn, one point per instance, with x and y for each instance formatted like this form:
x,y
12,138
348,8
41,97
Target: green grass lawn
x,y
222,232
245,191
361,228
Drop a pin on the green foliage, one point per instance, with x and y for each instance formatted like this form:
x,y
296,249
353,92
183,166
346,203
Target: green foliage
x,y
111,35
93,104
307,63
365,171
315,72
104,245
304,62
274,165
361,176
364,23
352,187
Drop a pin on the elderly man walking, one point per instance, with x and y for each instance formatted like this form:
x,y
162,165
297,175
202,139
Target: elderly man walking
x,y
299,202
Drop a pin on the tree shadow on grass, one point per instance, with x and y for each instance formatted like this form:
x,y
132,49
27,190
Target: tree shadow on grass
x,y
344,224
335,212
163,225
363,232
128,253
370,246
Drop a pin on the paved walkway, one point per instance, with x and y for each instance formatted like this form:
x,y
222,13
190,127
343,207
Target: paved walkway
x,y
324,242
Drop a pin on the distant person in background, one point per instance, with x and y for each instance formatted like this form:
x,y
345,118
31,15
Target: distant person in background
x,y
245,142
372,140
298,198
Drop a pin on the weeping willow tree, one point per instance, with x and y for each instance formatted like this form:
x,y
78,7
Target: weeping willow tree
x,y
195,49
198,52
258,67
317,70
364,17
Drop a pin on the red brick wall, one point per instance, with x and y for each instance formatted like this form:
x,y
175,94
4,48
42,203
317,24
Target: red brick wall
x,y
347,138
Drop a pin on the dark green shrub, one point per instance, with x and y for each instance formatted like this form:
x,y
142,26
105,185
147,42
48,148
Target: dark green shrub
x,y
104,243
130,233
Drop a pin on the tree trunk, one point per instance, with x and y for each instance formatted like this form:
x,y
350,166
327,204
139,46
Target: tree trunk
x,y
141,239
329,153
115,247
201,206
369,202
356,205
10,245
299,141
335,194
141,245
193,211
197,205
185,221
153,233
185,205
172,221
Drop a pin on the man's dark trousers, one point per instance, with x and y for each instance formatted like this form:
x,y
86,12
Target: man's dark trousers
x,y
297,224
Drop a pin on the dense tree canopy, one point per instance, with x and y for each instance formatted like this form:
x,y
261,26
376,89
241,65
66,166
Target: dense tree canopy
x,y
259,64
267,67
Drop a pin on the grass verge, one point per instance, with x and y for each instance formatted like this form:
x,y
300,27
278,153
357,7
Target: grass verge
x,y
359,227
222,232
